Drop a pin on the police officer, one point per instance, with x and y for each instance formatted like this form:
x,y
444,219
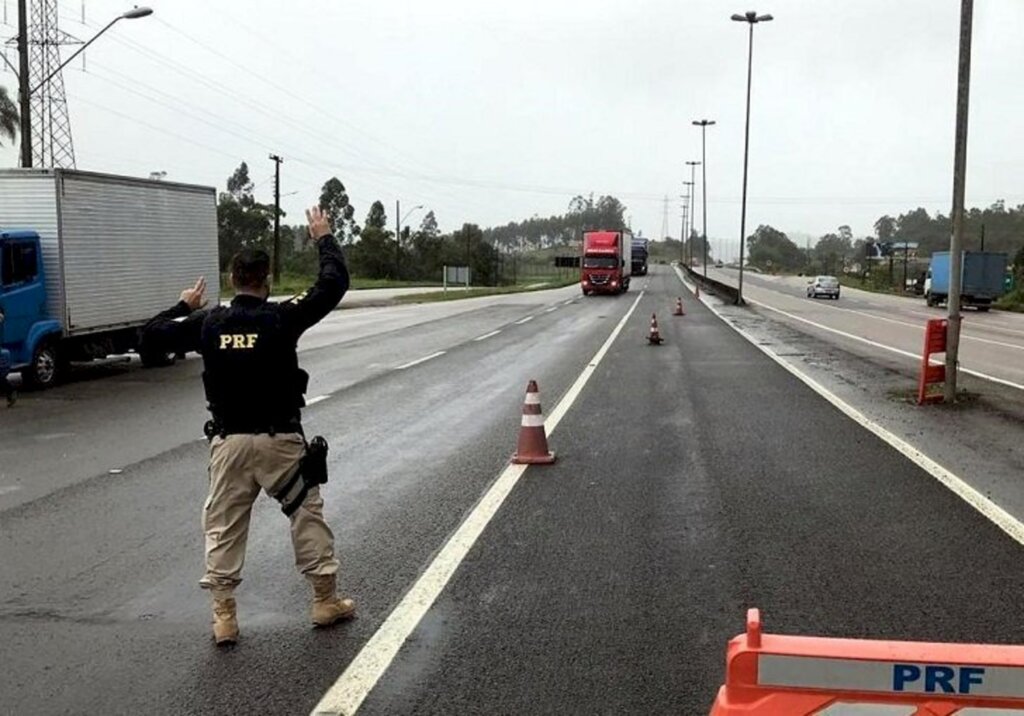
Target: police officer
x,y
254,388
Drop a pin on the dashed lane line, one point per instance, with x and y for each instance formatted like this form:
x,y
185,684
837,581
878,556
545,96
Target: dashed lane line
x,y
485,336
424,359
521,321
876,344
364,671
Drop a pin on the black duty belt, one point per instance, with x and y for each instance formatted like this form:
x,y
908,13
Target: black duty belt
x,y
214,428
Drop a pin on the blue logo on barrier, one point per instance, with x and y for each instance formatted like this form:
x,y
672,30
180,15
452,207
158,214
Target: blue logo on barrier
x,y
936,679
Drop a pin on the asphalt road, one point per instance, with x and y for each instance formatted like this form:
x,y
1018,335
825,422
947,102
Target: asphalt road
x,y
695,479
992,343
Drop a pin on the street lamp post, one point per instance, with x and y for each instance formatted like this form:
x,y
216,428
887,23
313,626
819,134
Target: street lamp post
x,y
704,124
682,229
690,194
693,195
751,18
25,93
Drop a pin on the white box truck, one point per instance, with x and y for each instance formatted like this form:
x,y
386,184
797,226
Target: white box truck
x,y
86,259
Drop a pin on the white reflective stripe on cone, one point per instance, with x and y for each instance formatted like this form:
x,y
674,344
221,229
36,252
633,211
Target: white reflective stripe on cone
x,y
533,421
533,398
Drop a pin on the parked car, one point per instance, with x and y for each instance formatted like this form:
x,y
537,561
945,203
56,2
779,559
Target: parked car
x,y
827,286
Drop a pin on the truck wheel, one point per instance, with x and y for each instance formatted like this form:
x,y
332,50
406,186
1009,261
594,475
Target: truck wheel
x,y
929,300
46,368
157,360
983,309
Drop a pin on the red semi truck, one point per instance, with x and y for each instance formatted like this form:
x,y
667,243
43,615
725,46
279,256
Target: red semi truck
x,y
607,262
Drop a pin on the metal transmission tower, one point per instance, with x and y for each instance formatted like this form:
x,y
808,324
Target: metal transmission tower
x,y
52,145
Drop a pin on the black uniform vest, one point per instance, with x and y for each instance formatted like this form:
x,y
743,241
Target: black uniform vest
x,y
251,370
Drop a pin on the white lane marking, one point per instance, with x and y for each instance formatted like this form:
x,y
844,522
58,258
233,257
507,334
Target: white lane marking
x,y
524,320
485,336
355,683
7,489
908,354
317,399
1000,517
549,310
424,359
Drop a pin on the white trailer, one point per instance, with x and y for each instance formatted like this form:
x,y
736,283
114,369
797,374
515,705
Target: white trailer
x,y
115,251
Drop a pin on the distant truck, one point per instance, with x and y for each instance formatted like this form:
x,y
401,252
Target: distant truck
x,y
86,259
607,262
983,279
640,255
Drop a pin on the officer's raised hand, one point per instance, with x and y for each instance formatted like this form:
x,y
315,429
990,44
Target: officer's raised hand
x,y
319,226
194,296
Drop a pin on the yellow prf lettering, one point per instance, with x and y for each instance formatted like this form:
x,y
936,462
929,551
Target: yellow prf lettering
x,y
238,341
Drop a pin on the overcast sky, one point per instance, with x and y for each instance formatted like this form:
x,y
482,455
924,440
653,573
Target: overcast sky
x,y
490,112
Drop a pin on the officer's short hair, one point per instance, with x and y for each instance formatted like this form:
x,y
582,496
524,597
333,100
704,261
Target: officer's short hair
x,y
250,268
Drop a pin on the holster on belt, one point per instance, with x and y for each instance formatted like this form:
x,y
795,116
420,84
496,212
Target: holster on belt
x,y
311,473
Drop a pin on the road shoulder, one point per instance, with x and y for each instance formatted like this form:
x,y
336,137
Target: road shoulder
x,y
978,440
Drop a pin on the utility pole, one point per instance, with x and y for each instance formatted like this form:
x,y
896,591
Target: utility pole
x,y
963,95
23,88
277,216
398,240
751,18
906,257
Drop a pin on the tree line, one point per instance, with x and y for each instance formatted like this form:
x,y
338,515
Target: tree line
x,y
374,251
994,228
371,248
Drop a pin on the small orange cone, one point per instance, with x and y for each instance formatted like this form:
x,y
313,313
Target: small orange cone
x,y
679,308
533,440
655,336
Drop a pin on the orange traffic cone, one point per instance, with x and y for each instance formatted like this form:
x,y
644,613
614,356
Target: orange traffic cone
x,y
533,440
679,308
655,337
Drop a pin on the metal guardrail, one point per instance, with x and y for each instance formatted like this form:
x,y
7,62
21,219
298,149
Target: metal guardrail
x,y
722,290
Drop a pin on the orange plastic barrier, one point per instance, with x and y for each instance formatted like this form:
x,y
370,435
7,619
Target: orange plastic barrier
x,y
934,342
774,675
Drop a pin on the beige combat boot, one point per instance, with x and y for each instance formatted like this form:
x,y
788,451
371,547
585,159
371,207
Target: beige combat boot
x,y
225,621
328,607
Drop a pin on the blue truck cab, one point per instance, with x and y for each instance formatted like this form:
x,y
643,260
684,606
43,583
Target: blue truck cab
x,y
29,334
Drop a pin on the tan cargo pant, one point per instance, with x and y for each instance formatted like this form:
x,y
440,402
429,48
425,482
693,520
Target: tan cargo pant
x,y
240,466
